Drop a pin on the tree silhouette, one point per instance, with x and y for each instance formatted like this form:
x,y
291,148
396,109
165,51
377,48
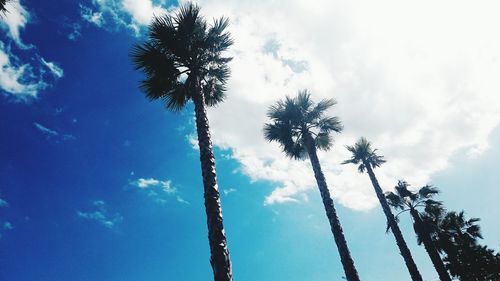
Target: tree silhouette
x,y
183,60
406,200
367,159
301,128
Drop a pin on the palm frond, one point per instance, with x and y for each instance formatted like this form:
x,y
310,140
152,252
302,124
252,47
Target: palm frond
x,y
362,153
323,141
319,110
395,200
427,191
329,124
402,189
290,125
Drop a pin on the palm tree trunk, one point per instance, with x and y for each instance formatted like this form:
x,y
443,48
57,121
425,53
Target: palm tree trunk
x,y
403,248
338,234
221,264
429,246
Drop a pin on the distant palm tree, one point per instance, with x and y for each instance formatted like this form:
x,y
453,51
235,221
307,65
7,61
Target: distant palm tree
x,y
182,60
367,158
406,200
301,127
457,237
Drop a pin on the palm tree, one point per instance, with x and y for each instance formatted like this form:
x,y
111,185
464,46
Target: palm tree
x,y
406,200
301,128
183,60
457,237
367,158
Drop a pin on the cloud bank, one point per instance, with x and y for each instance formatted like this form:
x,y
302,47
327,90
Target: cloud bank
x,y
416,79
419,80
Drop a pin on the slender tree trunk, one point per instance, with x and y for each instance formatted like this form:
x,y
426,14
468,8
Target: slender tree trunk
x,y
221,264
429,246
338,234
403,248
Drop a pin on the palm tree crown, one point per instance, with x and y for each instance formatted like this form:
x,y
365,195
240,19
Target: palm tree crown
x,y
405,199
363,154
296,119
183,53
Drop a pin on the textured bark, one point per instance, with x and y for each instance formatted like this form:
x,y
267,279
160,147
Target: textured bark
x,y
331,213
429,246
221,264
403,248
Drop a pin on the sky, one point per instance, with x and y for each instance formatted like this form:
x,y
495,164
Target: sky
x,y
98,183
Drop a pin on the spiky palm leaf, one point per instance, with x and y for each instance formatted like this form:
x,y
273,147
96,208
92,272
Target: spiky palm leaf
x,y
293,120
405,199
363,154
182,57
3,10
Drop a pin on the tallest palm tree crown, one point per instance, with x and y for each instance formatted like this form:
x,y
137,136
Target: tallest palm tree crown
x,y
295,119
183,45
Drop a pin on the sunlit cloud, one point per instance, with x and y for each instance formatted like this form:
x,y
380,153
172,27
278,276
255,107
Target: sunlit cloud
x,y
162,191
419,90
15,20
98,212
118,14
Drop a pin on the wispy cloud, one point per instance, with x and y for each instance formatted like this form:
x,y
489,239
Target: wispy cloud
x,y
56,70
228,191
161,191
99,213
117,14
3,203
5,225
52,134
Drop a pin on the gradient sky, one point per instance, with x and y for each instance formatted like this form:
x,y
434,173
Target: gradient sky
x,y
97,183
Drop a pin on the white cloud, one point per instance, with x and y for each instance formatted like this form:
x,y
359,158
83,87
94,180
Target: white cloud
x,y
415,78
17,78
52,134
14,20
45,130
112,14
99,213
160,190
228,191
56,70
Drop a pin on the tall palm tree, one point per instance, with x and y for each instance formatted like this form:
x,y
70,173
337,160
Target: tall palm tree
x,y
183,60
301,128
367,159
406,200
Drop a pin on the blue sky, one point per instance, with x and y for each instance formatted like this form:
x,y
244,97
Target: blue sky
x,y
97,183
